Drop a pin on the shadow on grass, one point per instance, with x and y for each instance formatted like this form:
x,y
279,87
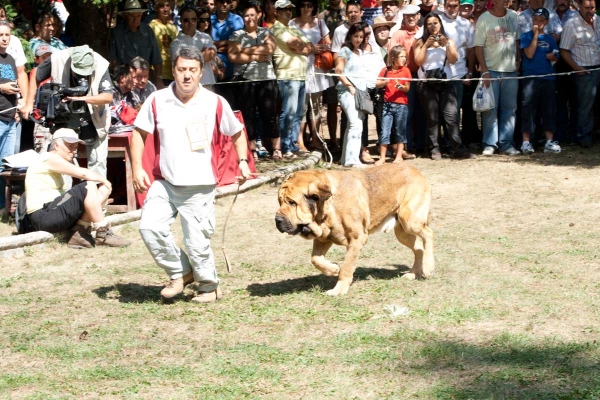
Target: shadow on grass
x,y
321,281
130,293
574,156
509,369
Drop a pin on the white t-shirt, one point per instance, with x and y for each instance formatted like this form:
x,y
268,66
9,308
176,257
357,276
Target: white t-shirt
x,y
461,32
179,164
498,37
15,49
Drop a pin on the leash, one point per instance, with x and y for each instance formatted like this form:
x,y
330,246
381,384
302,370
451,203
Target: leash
x,y
227,263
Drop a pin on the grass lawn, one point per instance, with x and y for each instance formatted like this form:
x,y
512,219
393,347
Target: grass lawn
x,y
513,311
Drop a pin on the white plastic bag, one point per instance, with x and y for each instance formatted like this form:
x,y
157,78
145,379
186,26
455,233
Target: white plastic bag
x,y
483,99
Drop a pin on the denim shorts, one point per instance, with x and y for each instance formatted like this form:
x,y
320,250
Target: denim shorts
x,y
394,114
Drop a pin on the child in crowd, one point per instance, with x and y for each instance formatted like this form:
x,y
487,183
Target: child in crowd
x,y
540,52
395,105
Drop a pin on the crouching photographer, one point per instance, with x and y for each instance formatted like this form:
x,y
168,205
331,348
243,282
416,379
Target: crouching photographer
x,y
79,96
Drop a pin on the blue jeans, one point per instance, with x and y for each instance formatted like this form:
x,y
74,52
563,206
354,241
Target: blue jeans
x,y
538,96
8,137
586,87
394,114
292,95
499,122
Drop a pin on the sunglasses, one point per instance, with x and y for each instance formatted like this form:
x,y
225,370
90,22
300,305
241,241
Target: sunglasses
x,y
225,1
306,5
188,20
290,9
203,20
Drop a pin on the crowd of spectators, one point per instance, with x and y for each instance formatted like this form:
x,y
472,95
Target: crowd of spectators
x,y
262,57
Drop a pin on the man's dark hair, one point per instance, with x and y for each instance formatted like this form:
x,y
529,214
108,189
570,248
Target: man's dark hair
x,y
139,63
354,28
121,71
189,53
246,4
187,7
354,3
40,16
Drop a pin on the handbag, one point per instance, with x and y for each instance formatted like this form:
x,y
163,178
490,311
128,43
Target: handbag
x,y
362,101
436,73
324,60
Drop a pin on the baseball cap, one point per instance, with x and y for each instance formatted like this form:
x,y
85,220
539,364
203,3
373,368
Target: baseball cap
x,y
284,4
542,12
43,49
83,61
410,9
469,2
68,135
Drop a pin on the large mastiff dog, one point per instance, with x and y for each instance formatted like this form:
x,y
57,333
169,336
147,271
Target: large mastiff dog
x,y
345,207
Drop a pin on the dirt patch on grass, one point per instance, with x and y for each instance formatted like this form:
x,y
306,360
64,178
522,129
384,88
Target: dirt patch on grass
x,y
512,311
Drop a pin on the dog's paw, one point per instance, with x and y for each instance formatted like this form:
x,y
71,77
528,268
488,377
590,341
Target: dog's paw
x,y
338,290
410,276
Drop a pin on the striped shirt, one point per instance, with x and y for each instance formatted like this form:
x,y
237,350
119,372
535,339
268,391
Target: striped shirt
x,y
581,39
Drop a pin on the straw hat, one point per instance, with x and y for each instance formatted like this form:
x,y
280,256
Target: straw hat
x,y
381,21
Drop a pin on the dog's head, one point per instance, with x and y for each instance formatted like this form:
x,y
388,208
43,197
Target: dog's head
x,y
302,198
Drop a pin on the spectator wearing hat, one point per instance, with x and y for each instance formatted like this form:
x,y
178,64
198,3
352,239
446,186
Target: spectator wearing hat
x,y
465,10
405,37
580,48
53,208
133,38
391,13
382,30
70,67
540,52
290,67
44,32
552,27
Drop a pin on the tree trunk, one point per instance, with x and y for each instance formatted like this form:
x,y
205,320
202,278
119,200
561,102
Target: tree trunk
x,y
91,25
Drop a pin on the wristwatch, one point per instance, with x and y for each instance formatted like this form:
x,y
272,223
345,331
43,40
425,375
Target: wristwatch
x,y
242,159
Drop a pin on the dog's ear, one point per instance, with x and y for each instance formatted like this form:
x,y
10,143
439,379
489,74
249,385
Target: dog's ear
x,y
319,192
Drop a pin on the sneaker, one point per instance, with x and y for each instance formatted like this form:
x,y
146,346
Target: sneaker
x,y
511,151
175,286
208,297
106,237
436,155
552,147
527,148
488,151
81,238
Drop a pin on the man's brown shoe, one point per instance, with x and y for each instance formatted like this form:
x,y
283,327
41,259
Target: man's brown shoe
x,y
106,237
81,238
176,286
208,297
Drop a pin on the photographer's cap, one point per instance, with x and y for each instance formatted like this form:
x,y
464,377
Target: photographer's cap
x,y
43,49
83,61
542,12
68,135
469,2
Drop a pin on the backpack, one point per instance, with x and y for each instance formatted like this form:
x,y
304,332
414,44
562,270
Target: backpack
x,y
22,218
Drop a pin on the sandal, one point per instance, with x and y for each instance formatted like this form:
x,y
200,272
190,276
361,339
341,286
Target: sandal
x,y
277,155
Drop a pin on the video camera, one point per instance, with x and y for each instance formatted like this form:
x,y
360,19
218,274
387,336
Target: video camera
x,y
50,109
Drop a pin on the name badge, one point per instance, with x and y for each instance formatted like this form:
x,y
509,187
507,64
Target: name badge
x,y
197,133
